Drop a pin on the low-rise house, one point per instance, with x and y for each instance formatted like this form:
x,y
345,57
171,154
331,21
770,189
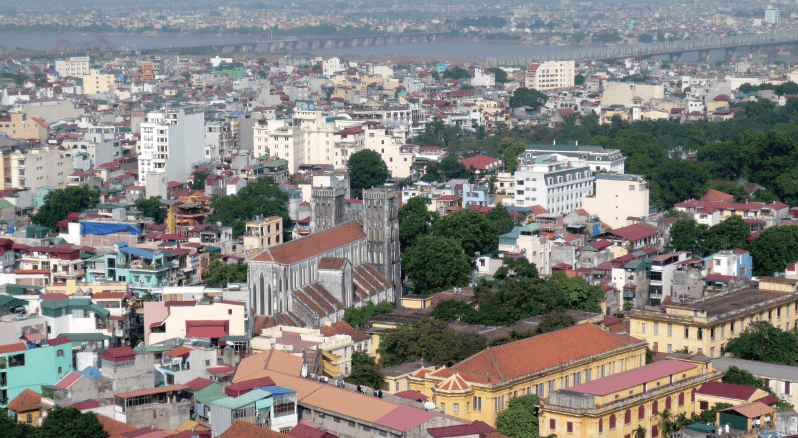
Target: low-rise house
x,y
781,379
189,319
164,407
25,409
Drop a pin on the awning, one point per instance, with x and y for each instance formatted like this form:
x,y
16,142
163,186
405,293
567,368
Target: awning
x,y
32,337
213,332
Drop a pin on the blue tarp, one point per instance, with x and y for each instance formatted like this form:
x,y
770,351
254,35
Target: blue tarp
x,y
138,252
103,229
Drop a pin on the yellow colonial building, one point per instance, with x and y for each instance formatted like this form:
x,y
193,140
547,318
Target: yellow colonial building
x,y
616,405
480,387
706,325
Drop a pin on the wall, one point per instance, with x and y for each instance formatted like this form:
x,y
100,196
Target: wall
x,y
168,416
141,375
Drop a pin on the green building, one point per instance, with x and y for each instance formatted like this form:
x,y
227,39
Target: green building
x,y
29,367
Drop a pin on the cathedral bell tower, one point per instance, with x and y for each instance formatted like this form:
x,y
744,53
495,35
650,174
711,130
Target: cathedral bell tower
x,y
326,208
381,226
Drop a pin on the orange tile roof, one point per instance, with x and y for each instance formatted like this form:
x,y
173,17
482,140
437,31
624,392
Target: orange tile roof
x,y
10,348
454,383
501,363
716,195
115,428
343,328
241,429
26,401
314,244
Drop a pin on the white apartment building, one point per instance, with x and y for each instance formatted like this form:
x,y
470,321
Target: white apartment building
x,y
557,185
279,138
772,15
596,157
617,198
396,155
171,141
96,82
100,144
550,75
40,168
76,66
331,66
218,139
483,78
622,93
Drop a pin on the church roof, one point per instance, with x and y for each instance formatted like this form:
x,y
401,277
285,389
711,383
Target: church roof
x,y
332,263
315,244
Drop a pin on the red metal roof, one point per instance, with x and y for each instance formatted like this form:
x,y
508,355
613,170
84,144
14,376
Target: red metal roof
x,y
241,388
68,380
727,390
11,348
119,354
476,428
207,329
412,394
151,391
32,337
634,232
198,383
61,340
634,377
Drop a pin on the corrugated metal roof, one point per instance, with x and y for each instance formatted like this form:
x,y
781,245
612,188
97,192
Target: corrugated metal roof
x,y
244,400
634,377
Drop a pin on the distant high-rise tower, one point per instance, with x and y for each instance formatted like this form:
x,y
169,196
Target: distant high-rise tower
x,y
326,208
381,225
772,15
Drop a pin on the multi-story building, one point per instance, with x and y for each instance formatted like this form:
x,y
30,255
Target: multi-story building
x,y
624,93
163,407
218,139
662,270
596,157
75,66
557,185
101,143
782,379
24,368
617,198
550,75
96,83
39,169
62,263
772,15
396,155
171,141
187,319
771,214
481,387
144,270
617,405
280,138
20,126
734,263
705,325
263,233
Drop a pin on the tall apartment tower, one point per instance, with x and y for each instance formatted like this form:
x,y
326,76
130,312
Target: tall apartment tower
x,y
381,226
326,208
170,142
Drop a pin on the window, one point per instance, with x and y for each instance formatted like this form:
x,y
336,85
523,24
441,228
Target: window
x,y
668,402
703,405
641,412
612,421
700,334
656,346
456,408
443,408
643,327
670,348
681,399
654,431
552,424
601,425
588,374
627,417
655,408
687,333
787,388
59,353
569,427
670,331
656,328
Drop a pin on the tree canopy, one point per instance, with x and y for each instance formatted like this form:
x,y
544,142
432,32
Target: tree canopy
x,y
475,231
430,340
436,263
499,75
520,419
774,249
261,198
365,371
366,170
357,316
71,423
415,220
531,97
152,207
448,168
687,235
58,204
764,343
219,273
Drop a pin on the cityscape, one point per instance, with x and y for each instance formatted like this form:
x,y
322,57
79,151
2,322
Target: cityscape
x,y
304,219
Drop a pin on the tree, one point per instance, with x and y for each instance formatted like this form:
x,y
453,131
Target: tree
x,y
449,167
474,231
530,97
431,340
667,422
640,432
436,263
554,321
499,75
153,208
456,73
764,343
512,149
516,268
262,198
729,234
579,80
58,204
453,310
415,220
366,170
645,38
687,235
198,182
520,419
71,423
679,181
775,248
358,316
10,429
220,274
502,219
365,371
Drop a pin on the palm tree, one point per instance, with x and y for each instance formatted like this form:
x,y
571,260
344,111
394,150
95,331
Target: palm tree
x,y
640,432
666,422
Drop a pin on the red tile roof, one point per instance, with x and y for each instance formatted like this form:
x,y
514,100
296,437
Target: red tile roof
x,y
635,232
84,405
476,428
335,263
207,329
181,351
726,390
312,245
27,400
198,383
501,363
480,162
343,328
241,429
716,196
115,428
10,348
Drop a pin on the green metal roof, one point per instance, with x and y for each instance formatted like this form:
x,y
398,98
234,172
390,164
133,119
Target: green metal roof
x,y
85,337
9,302
530,227
553,147
233,339
5,204
243,400
275,163
210,394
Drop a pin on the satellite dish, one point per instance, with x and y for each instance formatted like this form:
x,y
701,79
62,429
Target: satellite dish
x,y
428,405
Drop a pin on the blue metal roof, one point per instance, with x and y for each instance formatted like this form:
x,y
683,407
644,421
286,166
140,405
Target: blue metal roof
x,y
512,234
277,390
138,252
90,372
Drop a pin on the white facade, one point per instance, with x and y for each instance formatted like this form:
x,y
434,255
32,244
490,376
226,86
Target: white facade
x,y
170,142
550,75
483,78
617,198
558,186
40,168
279,138
595,157
332,66
100,143
397,156
772,15
76,66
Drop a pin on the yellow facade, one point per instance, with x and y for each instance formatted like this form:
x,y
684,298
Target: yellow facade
x,y
71,286
705,401
618,412
472,400
96,82
416,301
708,325
29,417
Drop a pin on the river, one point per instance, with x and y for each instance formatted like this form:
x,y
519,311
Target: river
x,y
453,49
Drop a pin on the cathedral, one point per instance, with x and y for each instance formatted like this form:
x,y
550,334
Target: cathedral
x,y
342,263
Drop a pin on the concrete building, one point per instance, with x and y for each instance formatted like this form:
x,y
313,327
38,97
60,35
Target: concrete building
x,y
218,139
20,126
662,273
101,143
129,369
40,168
164,407
705,325
23,368
624,93
617,405
782,379
263,233
550,75
772,15
279,138
97,83
734,263
617,198
75,66
481,387
171,142
596,157
188,319
557,185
